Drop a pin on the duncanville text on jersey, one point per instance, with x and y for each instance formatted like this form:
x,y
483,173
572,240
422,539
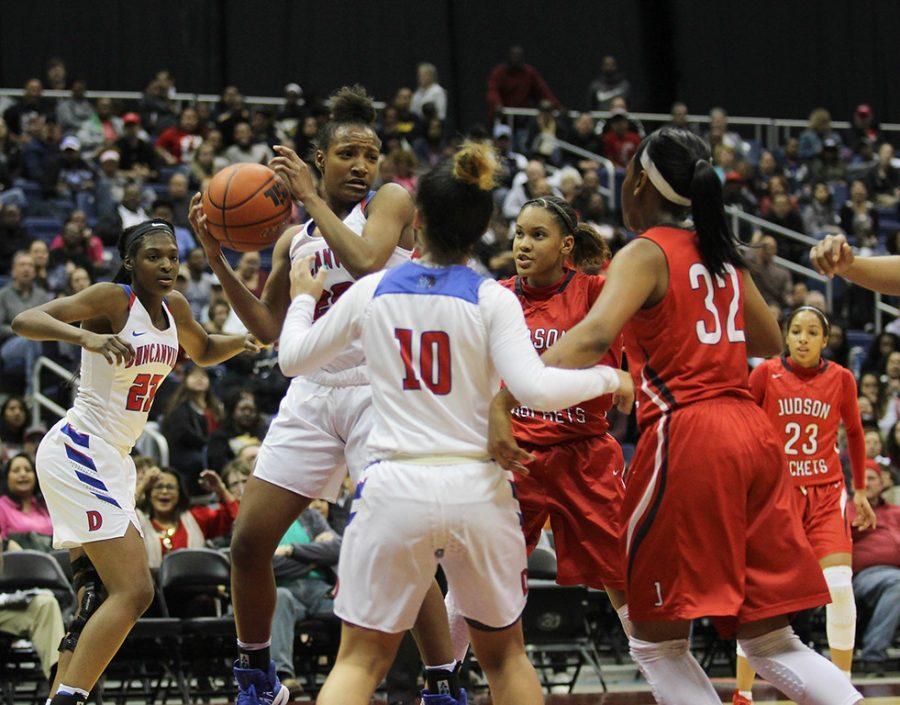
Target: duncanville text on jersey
x,y
155,352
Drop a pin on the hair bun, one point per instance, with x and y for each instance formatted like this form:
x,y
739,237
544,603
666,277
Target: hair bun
x,y
352,104
476,164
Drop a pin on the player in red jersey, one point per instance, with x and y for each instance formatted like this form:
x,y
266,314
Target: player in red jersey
x,y
806,397
709,526
576,476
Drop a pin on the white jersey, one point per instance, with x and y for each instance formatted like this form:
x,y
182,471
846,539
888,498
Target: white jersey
x,y
113,401
437,340
338,280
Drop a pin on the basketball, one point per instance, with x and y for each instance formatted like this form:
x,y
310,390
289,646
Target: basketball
x,y
245,207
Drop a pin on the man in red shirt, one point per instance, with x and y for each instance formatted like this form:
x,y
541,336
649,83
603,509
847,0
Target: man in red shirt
x,y
620,142
176,145
515,84
876,565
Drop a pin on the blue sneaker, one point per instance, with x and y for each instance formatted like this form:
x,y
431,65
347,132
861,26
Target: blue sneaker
x,y
256,687
444,698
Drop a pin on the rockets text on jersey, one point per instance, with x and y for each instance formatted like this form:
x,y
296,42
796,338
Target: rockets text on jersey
x,y
550,312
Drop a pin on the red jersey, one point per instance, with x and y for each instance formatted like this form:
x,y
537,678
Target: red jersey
x,y
549,312
806,406
690,346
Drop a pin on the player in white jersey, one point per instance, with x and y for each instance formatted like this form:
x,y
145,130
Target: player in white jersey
x,y
438,338
324,419
130,334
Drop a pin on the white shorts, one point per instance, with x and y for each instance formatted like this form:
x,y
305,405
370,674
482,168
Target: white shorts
x,y
88,486
318,435
409,518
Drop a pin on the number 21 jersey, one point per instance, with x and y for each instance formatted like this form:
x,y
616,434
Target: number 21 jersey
x,y
338,279
691,345
113,401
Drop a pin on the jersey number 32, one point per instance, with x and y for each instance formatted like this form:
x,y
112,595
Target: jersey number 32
x,y
427,362
710,331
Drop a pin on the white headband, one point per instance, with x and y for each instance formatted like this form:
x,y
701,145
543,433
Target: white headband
x,y
659,181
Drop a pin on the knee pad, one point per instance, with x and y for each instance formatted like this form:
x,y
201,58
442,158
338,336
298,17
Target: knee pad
x,y
85,577
840,615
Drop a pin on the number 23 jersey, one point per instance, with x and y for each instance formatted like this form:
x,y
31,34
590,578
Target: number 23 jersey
x,y
690,346
806,406
113,401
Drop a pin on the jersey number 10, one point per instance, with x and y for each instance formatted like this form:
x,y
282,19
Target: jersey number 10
x,y
698,273
433,361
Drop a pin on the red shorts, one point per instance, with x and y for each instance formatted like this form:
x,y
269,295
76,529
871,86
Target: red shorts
x,y
823,510
578,485
709,526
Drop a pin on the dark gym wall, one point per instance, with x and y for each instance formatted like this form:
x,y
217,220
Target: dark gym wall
x,y
763,57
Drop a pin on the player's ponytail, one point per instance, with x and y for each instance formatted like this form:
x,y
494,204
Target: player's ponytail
x,y
350,105
456,201
591,252
677,163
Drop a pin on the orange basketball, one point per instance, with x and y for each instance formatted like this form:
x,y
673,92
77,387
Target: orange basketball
x,y
246,206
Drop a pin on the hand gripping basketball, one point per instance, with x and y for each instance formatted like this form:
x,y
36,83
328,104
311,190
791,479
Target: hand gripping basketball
x,y
294,172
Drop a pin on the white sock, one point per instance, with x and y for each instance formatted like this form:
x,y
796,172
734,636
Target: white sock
x,y
254,647
746,694
442,667
797,671
459,630
673,673
623,618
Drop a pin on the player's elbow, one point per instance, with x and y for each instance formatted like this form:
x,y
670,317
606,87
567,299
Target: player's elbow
x,y
290,363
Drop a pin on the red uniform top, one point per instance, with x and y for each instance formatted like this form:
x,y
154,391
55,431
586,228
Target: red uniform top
x,y
806,406
691,345
550,311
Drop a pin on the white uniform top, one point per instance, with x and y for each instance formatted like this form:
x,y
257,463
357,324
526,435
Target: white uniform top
x,y
113,401
304,244
438,340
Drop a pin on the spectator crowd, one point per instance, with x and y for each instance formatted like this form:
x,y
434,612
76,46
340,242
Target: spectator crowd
x,y
74,172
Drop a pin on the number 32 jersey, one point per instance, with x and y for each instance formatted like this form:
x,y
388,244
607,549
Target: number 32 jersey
x,y
113,401
690,346
338,280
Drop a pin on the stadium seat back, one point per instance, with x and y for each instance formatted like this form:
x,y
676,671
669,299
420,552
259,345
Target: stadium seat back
x,y
24,570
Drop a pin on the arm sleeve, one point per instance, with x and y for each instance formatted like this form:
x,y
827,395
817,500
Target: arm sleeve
x,y
305,346
532,383
855,436
324,553
758,379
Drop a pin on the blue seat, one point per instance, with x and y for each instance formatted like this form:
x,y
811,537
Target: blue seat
x,y
858,338
44,228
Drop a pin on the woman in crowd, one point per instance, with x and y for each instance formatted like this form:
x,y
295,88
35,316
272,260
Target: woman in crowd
x,y
169,522
243,424
23,514
217,315
880,349
15,417
819,215
250,273
858,214
193,413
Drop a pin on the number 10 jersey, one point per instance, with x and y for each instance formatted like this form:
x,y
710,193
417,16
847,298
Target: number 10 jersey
x,y
690,346
113,400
